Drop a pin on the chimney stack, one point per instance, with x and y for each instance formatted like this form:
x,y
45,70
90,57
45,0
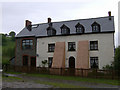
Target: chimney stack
x,y
28,24
49,20
109,13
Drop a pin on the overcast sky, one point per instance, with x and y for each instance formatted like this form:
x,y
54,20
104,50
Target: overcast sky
x,y
14,13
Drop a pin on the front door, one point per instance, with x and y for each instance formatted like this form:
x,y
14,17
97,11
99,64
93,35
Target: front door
x,y
71,62
72,66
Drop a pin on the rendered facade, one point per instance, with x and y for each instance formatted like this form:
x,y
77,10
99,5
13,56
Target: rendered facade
x,y
82,43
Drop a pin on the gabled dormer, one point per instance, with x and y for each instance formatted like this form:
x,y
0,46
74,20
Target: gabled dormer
x,y
79,28
65,30
95,27
50,30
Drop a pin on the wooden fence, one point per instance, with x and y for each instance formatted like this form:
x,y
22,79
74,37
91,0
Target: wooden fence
x,y
92,73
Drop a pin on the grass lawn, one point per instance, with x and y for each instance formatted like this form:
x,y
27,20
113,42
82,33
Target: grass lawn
x,y
93,80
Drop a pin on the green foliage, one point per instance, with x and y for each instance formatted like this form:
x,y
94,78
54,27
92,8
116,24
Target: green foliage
x,y
12,33
8,49
108,67
44,63
117,59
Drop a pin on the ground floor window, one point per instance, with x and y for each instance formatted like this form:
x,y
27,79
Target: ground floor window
x,y
94,62
50,59
25,60
33,61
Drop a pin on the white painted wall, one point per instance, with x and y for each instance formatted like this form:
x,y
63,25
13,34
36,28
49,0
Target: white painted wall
x,y
105,51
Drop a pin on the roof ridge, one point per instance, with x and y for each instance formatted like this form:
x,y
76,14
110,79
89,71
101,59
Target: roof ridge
x,y
74,20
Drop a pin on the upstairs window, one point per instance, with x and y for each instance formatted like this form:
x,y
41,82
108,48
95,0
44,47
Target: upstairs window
x,y
95,27
27,44
50,59
94,62
71,46
65,30
51,47
93,45
50,30
79,28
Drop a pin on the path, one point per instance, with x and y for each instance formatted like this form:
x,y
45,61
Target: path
x,y
30,82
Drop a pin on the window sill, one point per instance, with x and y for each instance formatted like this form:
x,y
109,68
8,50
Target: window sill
x,y
71,51
50,51
94,50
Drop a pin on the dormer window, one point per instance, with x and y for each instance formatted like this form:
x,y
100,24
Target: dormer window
x,y
65,30
50,30
79,28
95,27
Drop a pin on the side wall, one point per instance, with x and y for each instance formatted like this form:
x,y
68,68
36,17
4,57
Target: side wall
x,y
19,52
105,52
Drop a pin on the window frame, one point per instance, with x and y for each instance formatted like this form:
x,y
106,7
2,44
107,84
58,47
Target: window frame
x,y
73,44
95,60
65,29
81,28
51,31
96,27
50,64
23,60
27,42
50,47
93,45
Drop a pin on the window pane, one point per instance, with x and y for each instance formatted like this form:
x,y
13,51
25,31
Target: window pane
x,y
94,62
93,45
27,44
71,46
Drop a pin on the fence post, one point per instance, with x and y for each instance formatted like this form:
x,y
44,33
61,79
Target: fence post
x,y
112,75
82,72
61,71
95,73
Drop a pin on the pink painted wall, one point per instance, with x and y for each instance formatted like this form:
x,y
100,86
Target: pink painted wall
x,y
59,55
82,55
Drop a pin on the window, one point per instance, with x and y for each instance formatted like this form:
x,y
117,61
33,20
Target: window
x,y
65,30
25,60
51,32
27,44
95,27
50,62
79,28
93,45
51,47
94,62
71,46
33,61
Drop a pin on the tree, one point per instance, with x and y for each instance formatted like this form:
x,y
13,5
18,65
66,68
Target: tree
x,y
12,33
117,59
3,39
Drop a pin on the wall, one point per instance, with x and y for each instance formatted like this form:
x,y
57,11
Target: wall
x,y
19,52
105,50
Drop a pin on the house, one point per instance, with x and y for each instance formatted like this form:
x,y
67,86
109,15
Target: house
x,y
82,43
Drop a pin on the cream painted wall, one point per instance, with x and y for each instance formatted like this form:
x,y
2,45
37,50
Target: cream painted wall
x,y
105,51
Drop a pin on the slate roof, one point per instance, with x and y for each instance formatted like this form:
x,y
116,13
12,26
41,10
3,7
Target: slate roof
x,y
106,25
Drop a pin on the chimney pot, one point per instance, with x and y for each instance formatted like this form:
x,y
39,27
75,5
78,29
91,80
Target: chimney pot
x,y
109,13
49,20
